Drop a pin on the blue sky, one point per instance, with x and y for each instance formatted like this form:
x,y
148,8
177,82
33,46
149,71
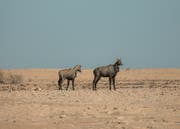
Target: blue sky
x,y
63,33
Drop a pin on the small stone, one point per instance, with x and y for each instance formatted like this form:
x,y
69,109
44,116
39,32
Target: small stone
x,y
62,116
36,88
115,108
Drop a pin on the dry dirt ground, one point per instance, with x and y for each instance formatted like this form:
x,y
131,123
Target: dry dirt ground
x,y
144,99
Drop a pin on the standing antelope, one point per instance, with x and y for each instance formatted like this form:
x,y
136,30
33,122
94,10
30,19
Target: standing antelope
x,y
69,74
107,71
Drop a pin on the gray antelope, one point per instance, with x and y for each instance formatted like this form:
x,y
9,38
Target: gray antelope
x,y
107,71
69,74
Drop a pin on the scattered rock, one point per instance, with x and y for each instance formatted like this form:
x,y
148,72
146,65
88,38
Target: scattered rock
x,y
77,101
149,127
115,108
36,89
105,107
120,117
62,116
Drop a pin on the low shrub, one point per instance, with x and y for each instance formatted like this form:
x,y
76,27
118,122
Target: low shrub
x,y
14,79
1,76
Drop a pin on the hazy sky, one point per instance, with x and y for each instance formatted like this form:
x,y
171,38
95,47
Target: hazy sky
x,y
63,33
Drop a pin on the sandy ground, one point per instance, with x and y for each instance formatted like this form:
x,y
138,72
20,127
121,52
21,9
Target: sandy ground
x,y
144,99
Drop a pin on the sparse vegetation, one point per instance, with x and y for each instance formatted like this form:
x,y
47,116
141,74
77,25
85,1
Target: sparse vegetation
x,y
10,78
127,69
15,79
1,76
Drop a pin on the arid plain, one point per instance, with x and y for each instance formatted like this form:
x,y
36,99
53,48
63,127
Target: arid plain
x,y
144,99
